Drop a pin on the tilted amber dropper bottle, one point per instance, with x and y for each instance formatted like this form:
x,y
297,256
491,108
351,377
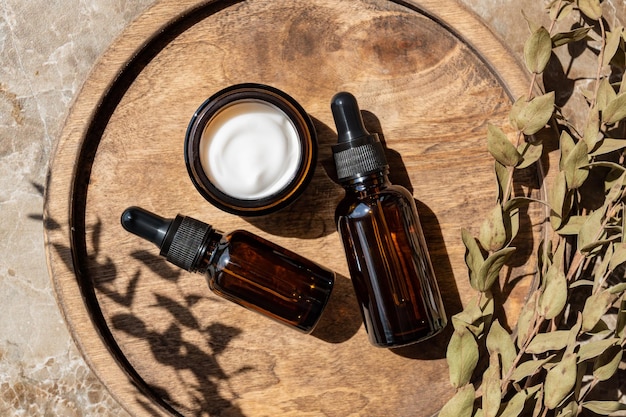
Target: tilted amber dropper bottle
x,y
385,248
241,267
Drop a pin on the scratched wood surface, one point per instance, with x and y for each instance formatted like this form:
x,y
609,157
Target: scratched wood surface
x,y
428,76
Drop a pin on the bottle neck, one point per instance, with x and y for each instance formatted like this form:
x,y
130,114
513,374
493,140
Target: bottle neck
x,y
367,184
207,253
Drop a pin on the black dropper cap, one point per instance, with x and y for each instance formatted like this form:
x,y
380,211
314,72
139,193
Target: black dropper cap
x,y
182,240
358,152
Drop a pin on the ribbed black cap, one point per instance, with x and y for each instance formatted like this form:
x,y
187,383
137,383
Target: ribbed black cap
x,y
181,240
357,152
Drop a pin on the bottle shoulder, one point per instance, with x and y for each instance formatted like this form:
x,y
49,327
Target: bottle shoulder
x,y
363,204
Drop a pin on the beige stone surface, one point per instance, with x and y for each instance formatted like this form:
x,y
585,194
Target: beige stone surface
x,y
47,49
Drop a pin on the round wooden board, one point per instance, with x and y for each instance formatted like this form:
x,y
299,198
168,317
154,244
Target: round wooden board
x,y
428,76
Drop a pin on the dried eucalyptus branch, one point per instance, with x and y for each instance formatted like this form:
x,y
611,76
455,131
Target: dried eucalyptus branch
x,y
563,347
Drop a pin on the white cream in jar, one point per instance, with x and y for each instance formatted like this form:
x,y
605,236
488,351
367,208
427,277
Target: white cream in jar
x,y
250,150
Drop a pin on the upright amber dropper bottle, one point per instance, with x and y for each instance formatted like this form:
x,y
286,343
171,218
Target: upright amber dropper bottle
x,y
241,267
385,248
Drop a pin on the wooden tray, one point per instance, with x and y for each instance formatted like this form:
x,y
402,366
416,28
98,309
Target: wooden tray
x,y
429,77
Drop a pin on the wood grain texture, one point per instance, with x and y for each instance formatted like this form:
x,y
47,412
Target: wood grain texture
x,y
429,78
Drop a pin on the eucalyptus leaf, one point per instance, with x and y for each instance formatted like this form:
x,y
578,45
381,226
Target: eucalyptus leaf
x,y
490,269
575,35
595,307
515,111
501,148
536,113
606,164
604,408
492,234
618,288
491,388
502,176
469,319
554,296
591,134
558,200
615,110
529,368
531,153
612,43
575,176
473,258
525,320
566,145
591,230
594,348
560,381
461,404
537,50
608,145
590,8
546,342
605,94
462,356
573,225
514,407
499,341
607,363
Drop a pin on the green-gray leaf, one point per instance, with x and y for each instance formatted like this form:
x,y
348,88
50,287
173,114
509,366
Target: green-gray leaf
x,y
615,110
501,148
576,159
592,133
537,50
559,381
605,94
590,8
573,225
536,113
502,175
608,145
492,234
612,43
594,348
525,320
619,256
514,407
571,36
462,356
490,270
473,258
554,296
551,341
461,405
595,307
557,197
491,387
531,153
500,341
591,230
604,408
607,363
528,368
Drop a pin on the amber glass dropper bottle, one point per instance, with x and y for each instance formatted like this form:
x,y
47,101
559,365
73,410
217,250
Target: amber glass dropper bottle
x,y
385,247
241,267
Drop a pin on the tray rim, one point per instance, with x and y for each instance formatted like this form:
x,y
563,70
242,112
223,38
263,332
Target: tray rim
x,y
450,14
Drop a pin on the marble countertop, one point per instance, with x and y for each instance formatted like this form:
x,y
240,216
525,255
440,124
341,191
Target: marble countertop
x,y
47,50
